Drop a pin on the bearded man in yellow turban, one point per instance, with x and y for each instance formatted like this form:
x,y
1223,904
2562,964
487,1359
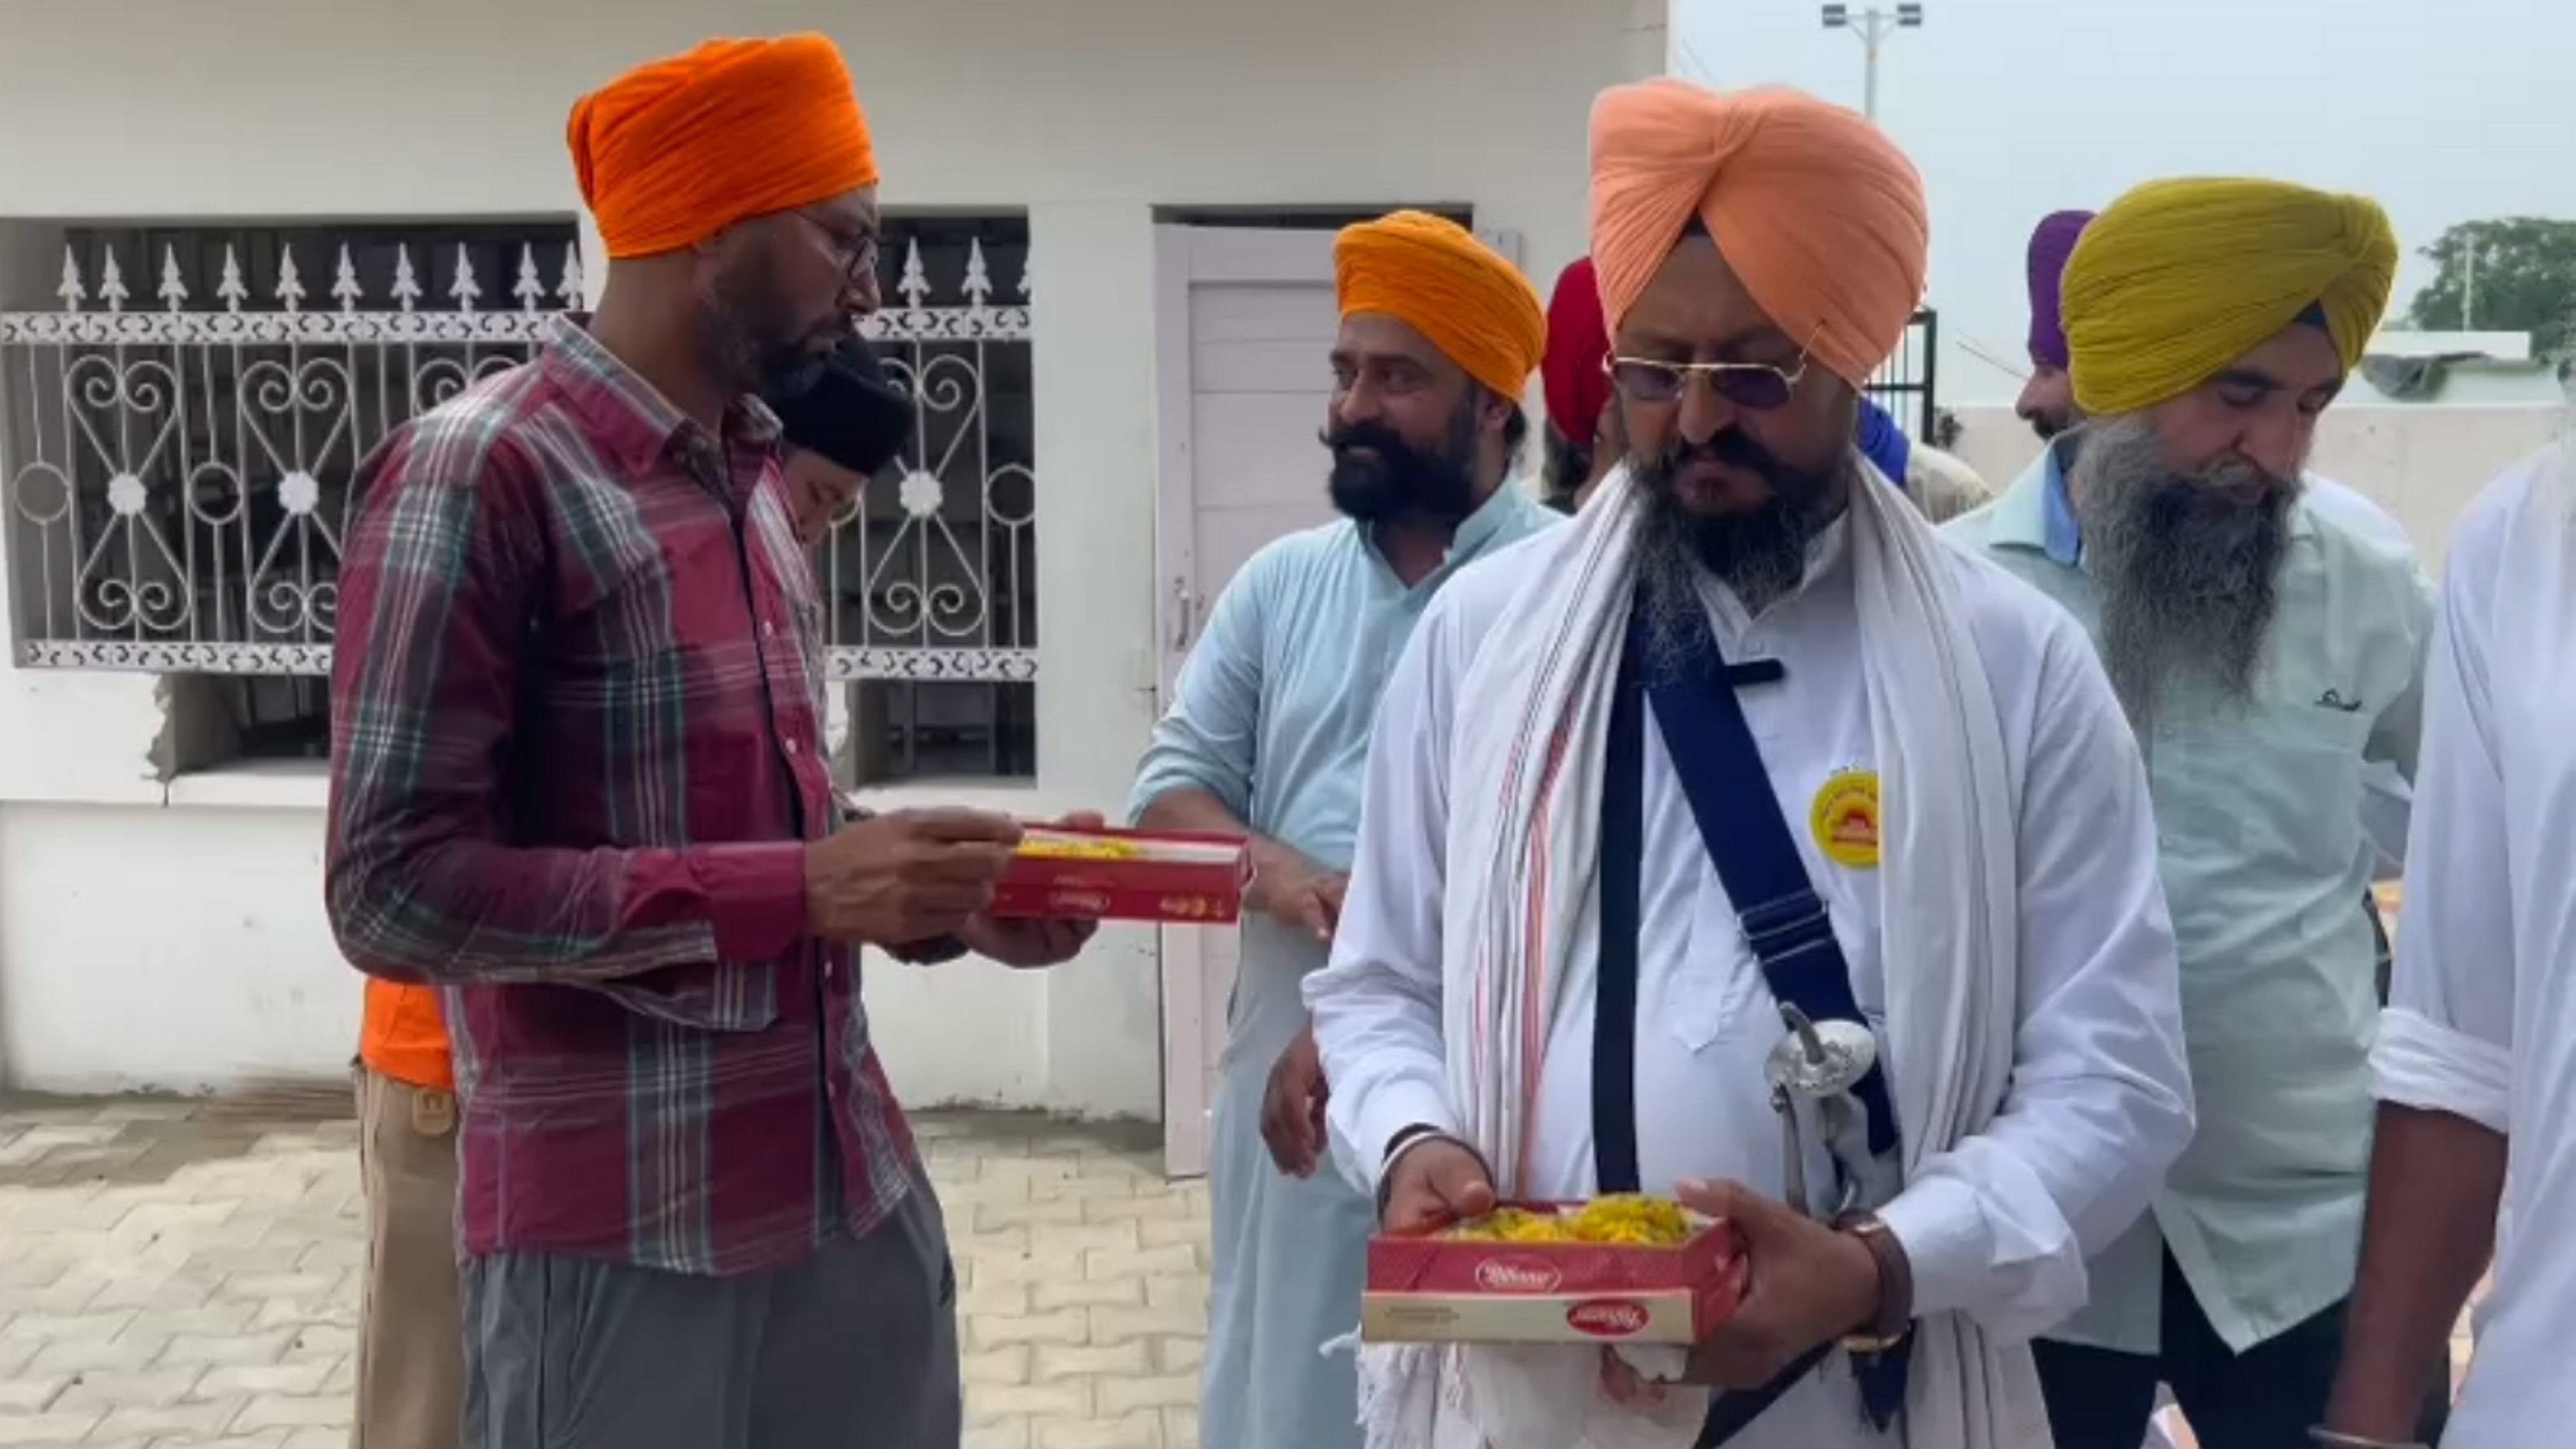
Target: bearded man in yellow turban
x,y
1264,737
576,784
2270,647
1738,823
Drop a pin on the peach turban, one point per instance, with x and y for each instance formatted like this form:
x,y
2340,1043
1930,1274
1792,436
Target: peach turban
x,y
676,150
2177,279
1431,274
1815,209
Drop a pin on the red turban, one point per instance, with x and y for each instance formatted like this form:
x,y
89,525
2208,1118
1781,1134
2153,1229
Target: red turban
x,y
676,150
1578,344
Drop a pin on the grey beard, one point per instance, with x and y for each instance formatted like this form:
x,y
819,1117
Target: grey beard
x,y
1760,556
2188,586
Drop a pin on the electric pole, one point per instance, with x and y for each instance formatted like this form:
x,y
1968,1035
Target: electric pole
x,y
1873,25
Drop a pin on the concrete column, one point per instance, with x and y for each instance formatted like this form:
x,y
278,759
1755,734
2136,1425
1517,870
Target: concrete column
x,y
1092,286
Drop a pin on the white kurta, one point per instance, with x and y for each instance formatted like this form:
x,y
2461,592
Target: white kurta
x,y
2485,989
2101,1096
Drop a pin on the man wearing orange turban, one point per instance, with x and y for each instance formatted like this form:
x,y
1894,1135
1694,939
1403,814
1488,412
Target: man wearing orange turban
x,y
735,191
1265,737
1745,746
576,786
2272,630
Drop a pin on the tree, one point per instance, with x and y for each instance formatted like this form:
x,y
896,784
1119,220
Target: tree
x,y
2525,275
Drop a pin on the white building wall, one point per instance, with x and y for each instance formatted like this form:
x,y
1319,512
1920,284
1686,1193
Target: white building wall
x,y
173,938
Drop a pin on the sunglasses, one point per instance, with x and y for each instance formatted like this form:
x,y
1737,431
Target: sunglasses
x,y
1755,385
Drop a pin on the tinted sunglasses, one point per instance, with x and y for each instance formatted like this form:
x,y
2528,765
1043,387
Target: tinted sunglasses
x,y
1755,385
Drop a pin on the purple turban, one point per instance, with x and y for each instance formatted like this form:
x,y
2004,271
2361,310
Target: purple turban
x,y
2051,243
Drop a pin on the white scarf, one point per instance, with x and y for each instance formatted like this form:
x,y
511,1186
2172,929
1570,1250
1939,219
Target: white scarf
x,y
1524,854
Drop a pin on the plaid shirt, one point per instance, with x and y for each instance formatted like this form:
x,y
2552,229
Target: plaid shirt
x,y
576,724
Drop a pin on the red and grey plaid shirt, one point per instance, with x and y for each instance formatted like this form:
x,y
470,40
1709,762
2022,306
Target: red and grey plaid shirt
x,y
576,743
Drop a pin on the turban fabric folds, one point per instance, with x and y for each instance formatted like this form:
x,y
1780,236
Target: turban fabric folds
x,y
1578,344
1814,208
2051,243
1432,275
2177,279
676,150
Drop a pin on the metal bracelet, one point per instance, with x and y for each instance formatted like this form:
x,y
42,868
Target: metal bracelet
x,y
2337,1439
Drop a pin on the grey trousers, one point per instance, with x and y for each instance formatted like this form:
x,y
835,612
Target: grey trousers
x,y
854,1348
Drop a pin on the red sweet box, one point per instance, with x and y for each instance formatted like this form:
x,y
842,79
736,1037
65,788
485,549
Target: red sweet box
x,y
1109,874
1440,1289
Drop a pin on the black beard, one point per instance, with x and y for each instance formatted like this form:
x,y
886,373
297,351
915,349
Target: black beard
x,y
2188,578
1760,553
751,339
1379,478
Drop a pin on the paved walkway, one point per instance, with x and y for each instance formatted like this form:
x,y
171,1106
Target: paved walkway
x,y
182,1275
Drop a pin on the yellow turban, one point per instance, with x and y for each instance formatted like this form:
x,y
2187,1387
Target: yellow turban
x,y
1815,209
2177,279
676,150
1453,289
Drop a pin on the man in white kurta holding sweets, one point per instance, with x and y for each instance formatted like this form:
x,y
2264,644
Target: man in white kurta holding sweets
x,y
1745,737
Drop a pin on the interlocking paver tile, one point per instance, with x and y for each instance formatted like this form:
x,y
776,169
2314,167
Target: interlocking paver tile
x,y
184,1275
46,1428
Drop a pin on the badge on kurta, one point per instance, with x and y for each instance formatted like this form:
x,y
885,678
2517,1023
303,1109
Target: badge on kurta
x,y
1845,818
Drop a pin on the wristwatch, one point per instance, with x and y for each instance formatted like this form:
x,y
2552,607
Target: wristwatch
x,y
1895,1286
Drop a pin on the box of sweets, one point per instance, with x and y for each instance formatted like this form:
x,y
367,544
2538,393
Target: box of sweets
x,y
1620,1269
1110,874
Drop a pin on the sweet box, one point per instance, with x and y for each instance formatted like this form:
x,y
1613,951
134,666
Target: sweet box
x,y
1445,1289
1109,874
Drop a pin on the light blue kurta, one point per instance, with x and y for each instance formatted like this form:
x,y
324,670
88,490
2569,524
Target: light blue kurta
x,y
2259,821
1272,716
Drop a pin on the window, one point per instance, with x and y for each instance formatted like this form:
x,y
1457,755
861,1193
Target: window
x,y
933,573
179,431
181,418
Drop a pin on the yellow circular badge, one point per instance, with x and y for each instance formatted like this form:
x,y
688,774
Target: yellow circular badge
x,y
1845,818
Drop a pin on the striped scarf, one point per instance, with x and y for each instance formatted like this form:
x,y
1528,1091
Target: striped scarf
x,y
1523,861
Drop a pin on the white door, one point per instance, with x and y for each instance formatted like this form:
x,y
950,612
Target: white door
x,y
1244,323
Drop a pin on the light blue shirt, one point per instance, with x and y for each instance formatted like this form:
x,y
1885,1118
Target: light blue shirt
x,y
2259,828
1272,715
1272,712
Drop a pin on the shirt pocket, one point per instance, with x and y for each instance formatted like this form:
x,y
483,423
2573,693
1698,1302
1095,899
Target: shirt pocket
x,y
2276,792
1704,996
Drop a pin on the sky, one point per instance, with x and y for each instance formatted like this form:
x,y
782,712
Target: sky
x,y
2443,110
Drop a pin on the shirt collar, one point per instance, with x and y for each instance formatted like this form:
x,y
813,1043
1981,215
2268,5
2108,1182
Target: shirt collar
x,y
1507,506
627,415
1475,533
2062,536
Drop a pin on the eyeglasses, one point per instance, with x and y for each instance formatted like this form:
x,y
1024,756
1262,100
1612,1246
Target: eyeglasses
x,y
1755,385
858,259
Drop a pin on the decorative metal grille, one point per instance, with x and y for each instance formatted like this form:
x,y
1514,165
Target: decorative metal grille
x,y
1905,385
178,476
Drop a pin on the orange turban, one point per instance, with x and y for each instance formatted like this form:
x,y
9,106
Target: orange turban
x,y
1431,274
1815,209
676,150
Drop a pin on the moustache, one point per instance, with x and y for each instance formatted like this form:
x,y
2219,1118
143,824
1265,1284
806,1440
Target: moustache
x,y
1376,437
2227,489
1732,448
